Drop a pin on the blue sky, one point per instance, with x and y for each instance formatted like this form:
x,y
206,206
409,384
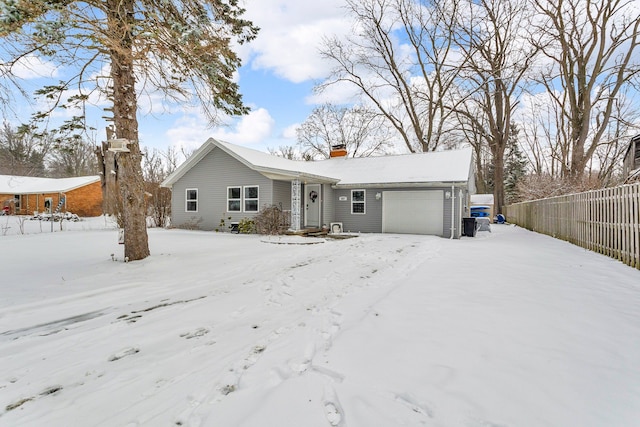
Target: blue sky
x,y
280,69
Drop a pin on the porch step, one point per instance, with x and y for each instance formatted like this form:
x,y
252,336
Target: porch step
x,y
307,232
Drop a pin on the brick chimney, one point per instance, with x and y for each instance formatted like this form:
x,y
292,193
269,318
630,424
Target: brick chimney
x,y
339,150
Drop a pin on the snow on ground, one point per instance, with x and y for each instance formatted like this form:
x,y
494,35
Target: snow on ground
x,y
510,328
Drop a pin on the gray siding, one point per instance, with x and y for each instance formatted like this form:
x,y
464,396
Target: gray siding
x,y
328,204
211,176
282,194
371,221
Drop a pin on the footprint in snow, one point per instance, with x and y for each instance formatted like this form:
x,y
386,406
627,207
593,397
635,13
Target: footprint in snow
x,y
332,408
333,415
123,353
194,334
412,403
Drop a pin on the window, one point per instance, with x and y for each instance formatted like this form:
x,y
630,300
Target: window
x,y
357,201
243,198
192,200
233,199
251,198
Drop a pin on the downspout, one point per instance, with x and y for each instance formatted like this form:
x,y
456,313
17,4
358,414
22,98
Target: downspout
x,y
453,210
463,204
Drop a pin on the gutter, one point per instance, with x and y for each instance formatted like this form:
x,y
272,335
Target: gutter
x,y
439,184
453,210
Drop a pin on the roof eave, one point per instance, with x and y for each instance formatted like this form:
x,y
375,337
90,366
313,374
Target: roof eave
x,y
401,184
283,174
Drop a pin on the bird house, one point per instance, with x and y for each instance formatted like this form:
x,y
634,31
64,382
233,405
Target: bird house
x,y
119,145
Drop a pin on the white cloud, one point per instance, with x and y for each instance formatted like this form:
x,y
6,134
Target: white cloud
x,y
33,67
191,130
337,93
290,35
251,129
290,131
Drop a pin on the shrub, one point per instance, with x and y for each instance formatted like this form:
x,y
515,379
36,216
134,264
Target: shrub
x,y
271,220
246,226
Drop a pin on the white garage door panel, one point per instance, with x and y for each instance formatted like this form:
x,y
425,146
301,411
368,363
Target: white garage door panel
x,y
414,212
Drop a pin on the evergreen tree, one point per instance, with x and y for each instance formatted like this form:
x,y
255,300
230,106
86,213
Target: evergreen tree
x,y
515,167
120,48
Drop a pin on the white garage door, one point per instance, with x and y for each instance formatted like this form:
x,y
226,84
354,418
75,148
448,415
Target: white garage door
x,y
412,212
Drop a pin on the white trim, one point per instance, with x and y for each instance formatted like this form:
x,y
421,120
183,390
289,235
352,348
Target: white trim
x,y
364,201
244,199
239,199
187,199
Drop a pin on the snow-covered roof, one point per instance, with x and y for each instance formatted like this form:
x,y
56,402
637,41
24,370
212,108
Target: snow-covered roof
x,y
422,168
482,199
11,184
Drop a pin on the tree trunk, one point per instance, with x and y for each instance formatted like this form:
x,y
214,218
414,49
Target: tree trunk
x,y
108,173
129,174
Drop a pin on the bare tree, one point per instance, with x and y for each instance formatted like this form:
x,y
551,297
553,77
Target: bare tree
x,y
409,88
608,157
23,151
591,49
156,166
73,158
489,35
361,130
181,48
288,152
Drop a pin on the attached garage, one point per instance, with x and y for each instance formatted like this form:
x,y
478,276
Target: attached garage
x,y
413,212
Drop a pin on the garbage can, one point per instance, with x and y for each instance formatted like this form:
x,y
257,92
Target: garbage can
x,y
469,227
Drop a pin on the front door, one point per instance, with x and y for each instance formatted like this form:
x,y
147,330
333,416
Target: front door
x,y
312,205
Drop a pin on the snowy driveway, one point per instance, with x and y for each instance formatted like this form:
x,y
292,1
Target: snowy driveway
x,y
506,329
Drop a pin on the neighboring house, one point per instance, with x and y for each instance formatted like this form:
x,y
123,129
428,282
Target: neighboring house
x,y
425,193
24,195
631,164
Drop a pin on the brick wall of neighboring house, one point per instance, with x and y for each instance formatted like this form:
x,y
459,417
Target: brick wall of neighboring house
x,y
85,201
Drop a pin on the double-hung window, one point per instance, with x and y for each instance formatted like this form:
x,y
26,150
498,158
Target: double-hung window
x,y
251,198
192,200
234,199
358,201
243,199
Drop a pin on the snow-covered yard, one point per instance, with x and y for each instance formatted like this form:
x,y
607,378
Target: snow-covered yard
x,y
510,328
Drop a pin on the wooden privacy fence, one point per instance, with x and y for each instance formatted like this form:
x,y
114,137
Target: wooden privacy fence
x,y
605,221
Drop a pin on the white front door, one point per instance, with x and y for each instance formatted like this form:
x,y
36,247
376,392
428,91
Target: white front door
x,y
312,205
